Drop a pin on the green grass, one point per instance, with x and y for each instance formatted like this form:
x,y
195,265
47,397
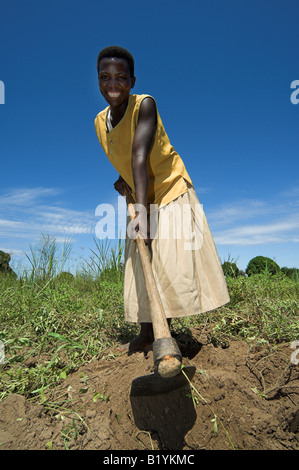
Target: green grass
x,y
50,325
55,326
264,309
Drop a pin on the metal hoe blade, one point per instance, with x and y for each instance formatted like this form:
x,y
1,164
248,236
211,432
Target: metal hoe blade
x,y
154,384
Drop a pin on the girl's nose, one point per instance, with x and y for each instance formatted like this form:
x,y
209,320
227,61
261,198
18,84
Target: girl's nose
x,y
113,81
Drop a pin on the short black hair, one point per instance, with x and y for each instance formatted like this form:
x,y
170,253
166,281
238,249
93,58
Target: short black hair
x,y
118,52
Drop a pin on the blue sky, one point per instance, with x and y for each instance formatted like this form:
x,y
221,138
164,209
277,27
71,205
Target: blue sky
x,y
221,73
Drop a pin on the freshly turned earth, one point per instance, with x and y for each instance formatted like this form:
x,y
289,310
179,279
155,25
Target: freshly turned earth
x,y
254,394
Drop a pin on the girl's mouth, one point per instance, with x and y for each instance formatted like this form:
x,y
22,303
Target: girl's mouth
x,y
114,94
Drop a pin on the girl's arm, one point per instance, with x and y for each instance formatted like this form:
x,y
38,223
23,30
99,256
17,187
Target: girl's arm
x,y
142,144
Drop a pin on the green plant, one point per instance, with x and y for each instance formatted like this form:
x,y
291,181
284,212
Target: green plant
x,y
70,432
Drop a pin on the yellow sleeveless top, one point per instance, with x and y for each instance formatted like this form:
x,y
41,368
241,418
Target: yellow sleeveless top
x,y
166,170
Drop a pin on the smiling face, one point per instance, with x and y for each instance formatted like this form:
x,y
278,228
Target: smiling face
x,y
115,81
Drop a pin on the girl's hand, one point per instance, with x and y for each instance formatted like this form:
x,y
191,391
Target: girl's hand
x,y
139,223
120,186
143,229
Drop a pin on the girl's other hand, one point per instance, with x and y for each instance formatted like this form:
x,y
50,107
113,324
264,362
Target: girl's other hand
x,y
120,185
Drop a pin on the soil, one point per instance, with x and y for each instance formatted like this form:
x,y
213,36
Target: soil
x,y
254,395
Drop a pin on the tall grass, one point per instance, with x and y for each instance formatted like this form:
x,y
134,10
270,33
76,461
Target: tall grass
x,y
105,259
46,260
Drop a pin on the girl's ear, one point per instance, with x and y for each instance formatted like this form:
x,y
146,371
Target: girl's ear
x,y
133,80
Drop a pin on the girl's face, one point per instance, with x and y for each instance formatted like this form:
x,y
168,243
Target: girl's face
x,y
115,81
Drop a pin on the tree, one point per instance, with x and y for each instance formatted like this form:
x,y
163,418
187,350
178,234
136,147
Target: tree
x,y
4,264
261,264
230,269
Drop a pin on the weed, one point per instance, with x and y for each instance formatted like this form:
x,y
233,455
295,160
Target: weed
x,y
70,432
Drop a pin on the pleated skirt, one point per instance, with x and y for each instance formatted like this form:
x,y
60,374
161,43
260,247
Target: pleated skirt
x,y
184,261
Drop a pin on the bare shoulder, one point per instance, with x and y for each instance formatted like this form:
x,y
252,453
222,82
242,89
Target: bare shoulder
x,y
148,108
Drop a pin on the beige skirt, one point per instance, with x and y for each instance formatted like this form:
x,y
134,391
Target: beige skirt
x,y
184,260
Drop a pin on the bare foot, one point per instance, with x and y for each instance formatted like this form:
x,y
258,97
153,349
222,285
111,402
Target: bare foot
x,y
137,345
143,342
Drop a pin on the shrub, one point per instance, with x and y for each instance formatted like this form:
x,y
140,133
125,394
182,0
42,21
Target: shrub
x,y
230,269
65,276
292,273
261,264
4,264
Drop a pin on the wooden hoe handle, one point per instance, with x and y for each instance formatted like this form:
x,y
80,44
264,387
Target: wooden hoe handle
x,y
160,325
167,356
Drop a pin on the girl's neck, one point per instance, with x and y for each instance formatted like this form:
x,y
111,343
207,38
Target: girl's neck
x,y
117,113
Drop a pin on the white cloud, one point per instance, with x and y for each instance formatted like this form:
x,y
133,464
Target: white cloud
x,y
24,214
240,210
12,251
277,231
290,193
248,227
26,196
9,224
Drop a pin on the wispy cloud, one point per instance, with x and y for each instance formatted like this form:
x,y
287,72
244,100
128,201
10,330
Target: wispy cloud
x,y
26,196
27,213
279,232
292,192
229,213
257,222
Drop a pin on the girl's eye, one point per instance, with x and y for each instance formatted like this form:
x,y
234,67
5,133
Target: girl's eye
x,y
103,77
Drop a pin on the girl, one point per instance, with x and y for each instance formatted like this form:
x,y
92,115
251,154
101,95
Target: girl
x,y
188,275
